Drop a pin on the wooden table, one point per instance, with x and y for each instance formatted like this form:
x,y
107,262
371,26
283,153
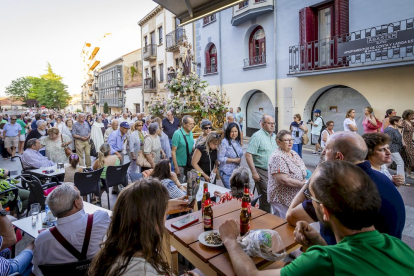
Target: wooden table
x,y
26,226
216,261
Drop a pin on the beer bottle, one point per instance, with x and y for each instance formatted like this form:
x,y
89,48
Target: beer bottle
x,y
205,190
208,214
245,214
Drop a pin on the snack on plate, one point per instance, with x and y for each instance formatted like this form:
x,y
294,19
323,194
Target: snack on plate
x,y
263,243
213,238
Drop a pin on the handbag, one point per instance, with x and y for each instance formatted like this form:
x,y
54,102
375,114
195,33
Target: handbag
x,y
142,160
67,149
189,156
94,153
371,126
305,139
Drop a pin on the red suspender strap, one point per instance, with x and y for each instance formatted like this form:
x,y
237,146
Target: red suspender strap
x,y
72,250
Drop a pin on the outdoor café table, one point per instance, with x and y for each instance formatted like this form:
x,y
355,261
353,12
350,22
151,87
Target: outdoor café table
x,y
215,260
39,172
25,224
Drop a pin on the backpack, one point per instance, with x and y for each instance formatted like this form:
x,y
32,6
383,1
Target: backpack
x,y
322,129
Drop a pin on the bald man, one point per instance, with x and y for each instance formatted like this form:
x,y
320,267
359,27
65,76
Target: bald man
x,y
349,146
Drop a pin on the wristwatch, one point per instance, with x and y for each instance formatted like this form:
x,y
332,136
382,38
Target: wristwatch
x,y
3,212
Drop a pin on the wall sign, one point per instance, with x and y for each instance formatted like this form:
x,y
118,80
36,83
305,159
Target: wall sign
x,y
377,43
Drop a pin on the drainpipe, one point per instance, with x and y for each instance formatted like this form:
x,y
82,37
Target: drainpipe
x,y
275,41
220,55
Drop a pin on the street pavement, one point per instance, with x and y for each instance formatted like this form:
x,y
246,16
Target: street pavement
x,y
311,161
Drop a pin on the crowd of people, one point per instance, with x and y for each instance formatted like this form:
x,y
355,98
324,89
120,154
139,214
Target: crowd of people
x,y
351,194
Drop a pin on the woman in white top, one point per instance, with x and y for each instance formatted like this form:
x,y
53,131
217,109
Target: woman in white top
x,y
152,145
97,133
136,233
326,133
134,148
349,123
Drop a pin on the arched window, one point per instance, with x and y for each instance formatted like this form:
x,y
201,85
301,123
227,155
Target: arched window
x,y
257,46
211,60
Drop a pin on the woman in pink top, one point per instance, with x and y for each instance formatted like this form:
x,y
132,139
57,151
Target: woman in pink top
x,y
370,118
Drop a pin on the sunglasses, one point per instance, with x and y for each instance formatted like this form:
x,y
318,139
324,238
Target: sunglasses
x,y
207,128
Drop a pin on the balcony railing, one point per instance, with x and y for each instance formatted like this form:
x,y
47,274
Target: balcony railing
x,y
150,51
171,76
112,102
257,60
210,70
386,43
175,39
150,85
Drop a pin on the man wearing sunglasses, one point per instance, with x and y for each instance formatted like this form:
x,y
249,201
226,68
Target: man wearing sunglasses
x,y
11,134
347,201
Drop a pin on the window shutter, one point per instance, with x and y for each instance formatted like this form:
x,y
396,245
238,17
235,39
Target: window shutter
x,y
307,21
208,62
341,17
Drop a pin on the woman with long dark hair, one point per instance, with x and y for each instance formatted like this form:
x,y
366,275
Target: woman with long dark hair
x,y
385,123
230,153
162,171
134,241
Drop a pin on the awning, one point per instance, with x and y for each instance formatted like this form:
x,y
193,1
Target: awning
x,y
191,10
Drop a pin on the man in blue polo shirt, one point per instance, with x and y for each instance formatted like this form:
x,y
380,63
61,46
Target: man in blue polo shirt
x,y
350,146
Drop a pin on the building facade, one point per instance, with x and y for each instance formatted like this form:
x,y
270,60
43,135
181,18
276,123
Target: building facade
x,y
161,38
132,73
90,64
111,87
236,53
344,54
75,103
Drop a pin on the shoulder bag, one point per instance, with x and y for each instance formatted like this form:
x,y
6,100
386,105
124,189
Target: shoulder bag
x,y
68,151
305,137
371,126
142,160
189,156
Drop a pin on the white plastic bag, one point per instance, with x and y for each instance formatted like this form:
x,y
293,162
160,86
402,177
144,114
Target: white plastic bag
x,y
263,243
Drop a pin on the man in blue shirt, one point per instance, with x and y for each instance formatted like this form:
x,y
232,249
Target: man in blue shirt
x,y
116,140
350,146
11,134
170,124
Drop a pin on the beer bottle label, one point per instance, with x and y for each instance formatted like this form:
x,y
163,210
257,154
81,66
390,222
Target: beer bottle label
x,y
246,191
207,222
207,202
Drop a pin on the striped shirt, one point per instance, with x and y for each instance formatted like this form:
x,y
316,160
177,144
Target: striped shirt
x,y
261,146
4,263
172,188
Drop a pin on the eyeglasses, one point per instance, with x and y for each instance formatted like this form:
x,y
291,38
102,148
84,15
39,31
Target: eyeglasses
x,y
270,123
288,140
207,128
308,196
13,119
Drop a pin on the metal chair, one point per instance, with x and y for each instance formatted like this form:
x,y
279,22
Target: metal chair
x,y
25,170
89,183
36,189
115,175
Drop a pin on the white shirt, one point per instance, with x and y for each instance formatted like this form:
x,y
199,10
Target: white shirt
x,y
323,143
49,251
347,122
122,119
60,126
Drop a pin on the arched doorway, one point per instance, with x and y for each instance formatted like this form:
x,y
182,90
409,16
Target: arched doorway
x,y
334,102
257,105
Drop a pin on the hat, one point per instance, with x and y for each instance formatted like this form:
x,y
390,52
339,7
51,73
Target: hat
x,y
317,111
44,114
125,125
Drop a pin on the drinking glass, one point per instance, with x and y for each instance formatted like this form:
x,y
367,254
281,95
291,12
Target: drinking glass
x,y
35,210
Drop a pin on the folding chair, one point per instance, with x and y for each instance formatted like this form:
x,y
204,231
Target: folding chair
x,y
115,175
89,183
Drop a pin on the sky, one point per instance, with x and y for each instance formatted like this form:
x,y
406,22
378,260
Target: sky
x,y
34,32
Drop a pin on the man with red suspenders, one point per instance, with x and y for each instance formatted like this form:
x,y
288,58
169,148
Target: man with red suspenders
x,y
77,235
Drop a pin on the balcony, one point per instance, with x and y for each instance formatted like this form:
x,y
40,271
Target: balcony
x,y
171,76
251,9
150,52
254,62
150,85
382,46
112,102
175,39
211,70
95,87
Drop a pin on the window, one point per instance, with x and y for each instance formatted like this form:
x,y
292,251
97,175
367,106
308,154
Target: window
x,y
160,35
257,47
211,60
243,4
209,19
145,41
146,73
161,72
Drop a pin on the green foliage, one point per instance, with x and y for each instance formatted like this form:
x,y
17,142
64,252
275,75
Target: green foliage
x,y
79,110
106,108
133,71
94,110
19,88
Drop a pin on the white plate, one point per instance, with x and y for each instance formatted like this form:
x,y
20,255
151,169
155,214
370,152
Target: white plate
x,y
203,241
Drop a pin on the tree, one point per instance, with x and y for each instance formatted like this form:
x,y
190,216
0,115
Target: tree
x,y
106,109
94,110
19,88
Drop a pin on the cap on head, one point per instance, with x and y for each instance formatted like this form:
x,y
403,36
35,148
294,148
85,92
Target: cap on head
x,y
317,111
125,125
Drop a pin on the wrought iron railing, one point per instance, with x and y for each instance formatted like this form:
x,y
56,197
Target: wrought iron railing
x,y
112,102
210,70
171,76
150,50
389,42
150,83
175,38
257,60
